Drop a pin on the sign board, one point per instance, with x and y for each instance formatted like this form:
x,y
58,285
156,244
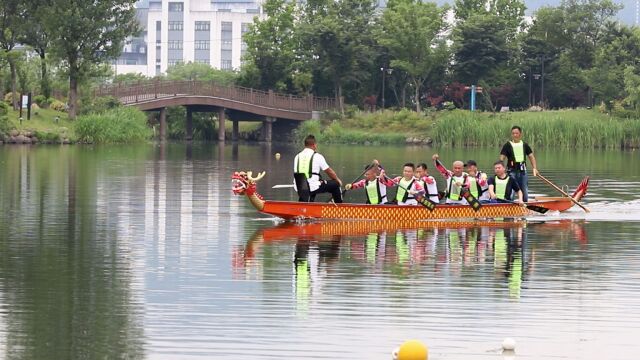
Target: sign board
x,y
25,101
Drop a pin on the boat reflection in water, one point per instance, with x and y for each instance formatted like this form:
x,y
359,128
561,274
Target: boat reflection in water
x,y
368,251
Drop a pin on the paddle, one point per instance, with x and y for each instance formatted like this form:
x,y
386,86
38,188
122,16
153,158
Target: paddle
x,y
562,192
282,186
536,208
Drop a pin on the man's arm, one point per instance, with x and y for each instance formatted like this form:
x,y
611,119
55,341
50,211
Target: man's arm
x,y
440,166
492,194
332,175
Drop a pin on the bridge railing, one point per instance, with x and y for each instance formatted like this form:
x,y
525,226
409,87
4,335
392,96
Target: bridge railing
x,y
135,92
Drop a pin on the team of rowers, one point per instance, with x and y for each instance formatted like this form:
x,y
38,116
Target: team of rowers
x,y
507,184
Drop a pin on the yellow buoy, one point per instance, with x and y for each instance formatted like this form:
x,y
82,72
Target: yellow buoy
x,y
413,350
277,156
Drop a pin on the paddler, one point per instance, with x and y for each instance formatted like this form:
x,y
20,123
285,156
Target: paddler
x,y
428,182
456,180
516,152
306,171
408,187
375,186
477,181
502,185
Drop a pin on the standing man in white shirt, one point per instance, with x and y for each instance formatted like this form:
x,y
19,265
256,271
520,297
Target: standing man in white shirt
x,y
307,166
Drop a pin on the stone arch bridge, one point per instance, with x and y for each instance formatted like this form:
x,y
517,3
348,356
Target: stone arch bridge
x,y
237,103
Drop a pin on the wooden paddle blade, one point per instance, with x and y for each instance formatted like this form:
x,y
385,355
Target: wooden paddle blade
x,y
473,202
427,203
536,208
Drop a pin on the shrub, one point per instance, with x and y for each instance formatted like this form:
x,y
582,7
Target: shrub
x,y
8,97
58,105
119,125
42,101
4,108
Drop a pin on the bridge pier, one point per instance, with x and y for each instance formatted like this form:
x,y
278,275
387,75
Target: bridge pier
x,y
221,129
163,124
189,126
267,129
235,132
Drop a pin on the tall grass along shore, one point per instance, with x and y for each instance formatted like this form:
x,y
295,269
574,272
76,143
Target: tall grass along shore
x,y
459,128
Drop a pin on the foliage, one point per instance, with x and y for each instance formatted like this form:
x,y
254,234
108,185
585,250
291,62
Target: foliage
x,y
632,87
5,126
58,105
118,125
271,48
198,71
83,35
100,105
410,32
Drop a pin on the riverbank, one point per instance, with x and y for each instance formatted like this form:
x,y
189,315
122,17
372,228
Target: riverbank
x,y
560,128
45,126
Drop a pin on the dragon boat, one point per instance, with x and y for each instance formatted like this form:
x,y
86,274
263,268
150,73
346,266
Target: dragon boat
x,y
244,183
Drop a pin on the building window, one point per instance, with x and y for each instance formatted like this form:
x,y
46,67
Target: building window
x,y
158,25
203,25
226,35
173,62
175,44
176,7
226,65
176,26
157,69
155,5
202,61
253,11
201,44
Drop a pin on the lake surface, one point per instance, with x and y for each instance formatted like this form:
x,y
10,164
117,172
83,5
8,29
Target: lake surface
x,y
143,252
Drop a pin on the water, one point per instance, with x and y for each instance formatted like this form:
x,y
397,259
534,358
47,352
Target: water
x,y
143,252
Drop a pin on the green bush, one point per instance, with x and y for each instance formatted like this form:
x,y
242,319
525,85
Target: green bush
x,y
42,101
4,108
58,105
119,125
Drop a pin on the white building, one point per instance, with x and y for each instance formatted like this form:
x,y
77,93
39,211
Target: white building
x,y
206,31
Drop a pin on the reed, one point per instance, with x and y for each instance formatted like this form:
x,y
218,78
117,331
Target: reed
x,y
119,125
568,129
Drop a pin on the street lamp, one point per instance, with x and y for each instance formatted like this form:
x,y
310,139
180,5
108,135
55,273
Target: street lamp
x,y
388,71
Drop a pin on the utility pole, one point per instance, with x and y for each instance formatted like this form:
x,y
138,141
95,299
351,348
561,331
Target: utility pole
x,y
542,84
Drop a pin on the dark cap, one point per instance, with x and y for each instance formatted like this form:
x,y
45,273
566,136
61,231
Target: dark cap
x,y
471,162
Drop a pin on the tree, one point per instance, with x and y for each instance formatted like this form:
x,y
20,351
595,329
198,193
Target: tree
x,y
632,87
511,11
410,31
198,71
340,41
36,35
10,26
86,34
271,48
480,45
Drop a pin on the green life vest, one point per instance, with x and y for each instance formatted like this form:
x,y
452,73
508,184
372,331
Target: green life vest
x,y
374,196
305,164
501,187
518,151
474,187
454,190
403,195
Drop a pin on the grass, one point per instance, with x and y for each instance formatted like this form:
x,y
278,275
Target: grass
x,y
119,125
558,128
562,128
43,123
